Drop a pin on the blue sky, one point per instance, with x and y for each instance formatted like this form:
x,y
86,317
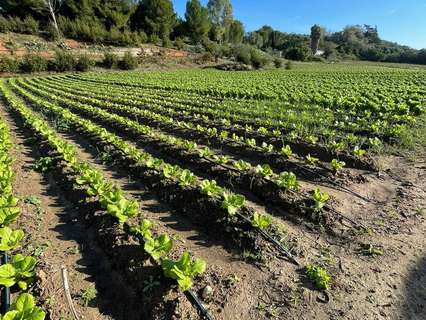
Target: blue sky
x,y
402,21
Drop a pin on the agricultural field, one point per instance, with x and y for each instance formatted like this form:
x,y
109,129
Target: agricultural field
x,y
203,194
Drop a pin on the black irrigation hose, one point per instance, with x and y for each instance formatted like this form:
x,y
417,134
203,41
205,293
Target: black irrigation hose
x,y
346,218
335,184
268,237
5,293
205,314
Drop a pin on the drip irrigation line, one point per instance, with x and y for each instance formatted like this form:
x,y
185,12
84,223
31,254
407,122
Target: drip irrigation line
x,y
5,293
268,237
335,184
346,218
192,297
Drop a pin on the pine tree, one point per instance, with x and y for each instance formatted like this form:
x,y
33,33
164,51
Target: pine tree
x,y
197,20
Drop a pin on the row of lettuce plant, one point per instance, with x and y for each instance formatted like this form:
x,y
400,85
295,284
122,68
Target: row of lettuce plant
x,y
286,151
295,118
354,90
18,273
389,107
233,204
301,126
287,181
111,198
202,108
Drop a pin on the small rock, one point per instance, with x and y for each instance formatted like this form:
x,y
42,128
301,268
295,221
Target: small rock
x,y
207,292
42,277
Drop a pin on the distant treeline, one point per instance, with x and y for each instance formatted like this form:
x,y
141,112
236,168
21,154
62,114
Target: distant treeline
x,y
132,22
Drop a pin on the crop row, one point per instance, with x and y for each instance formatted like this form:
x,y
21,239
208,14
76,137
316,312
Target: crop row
x,y
179,187
312,124
365,93
261,179
222,137
111,199
301,119
18,272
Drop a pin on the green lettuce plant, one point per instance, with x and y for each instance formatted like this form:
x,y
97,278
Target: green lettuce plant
x,y
337,165
24,308
187,178
320,198
242,165
319,276
286,151
184,270
260,221
158,247
264,171
287,181
10,239
210,188
9,209
232,202
19,271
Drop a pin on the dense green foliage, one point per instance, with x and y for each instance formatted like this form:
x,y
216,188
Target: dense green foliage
x,y
353,42
130,22
315,105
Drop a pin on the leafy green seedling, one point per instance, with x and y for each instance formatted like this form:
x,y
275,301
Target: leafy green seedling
x,y
158,247
10,239
19,271
206,153
89,294
232,202
221,159
242,165
262,130
144,229
287,181
286,151
24,308
9,209
359,152
187,178
337,165
261,221
267,147
320,198
251,142
319,276
311,160
312,139
183,270
171,172
210,188
264,170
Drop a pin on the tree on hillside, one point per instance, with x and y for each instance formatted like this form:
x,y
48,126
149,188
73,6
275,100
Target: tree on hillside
x,y
53,7
22,8
236,32
220,13
371,34
155,17
316,34
197,20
